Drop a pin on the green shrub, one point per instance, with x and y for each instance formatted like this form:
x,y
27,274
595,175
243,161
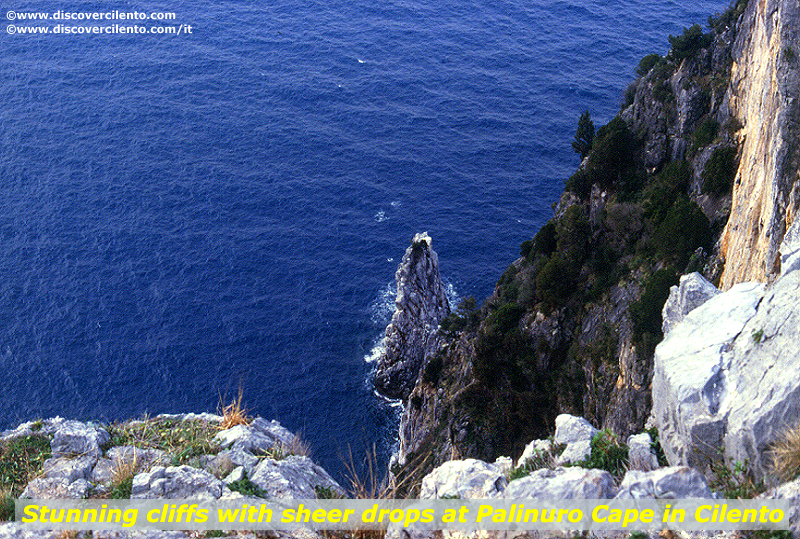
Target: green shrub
x,y
546,240
505,318
465,317
719,172
247,487
580,184
21,460
647,63
539,460
683,229
574,233
735,482
646,311
525,248
705,133
554,283
584,136
122,490
689,43
612,162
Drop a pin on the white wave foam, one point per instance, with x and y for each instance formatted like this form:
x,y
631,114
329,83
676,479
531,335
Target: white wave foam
x,y
381,216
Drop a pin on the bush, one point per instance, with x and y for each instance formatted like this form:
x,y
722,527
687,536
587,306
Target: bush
x,y
608,453
719,172
545,241
646,311
785,456
505,318
647,63
584,135
705,133
612,160
684,228
554,282
465,317
580,184
690,43
573,232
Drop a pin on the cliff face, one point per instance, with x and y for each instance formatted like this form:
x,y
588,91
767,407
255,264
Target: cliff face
x,y
765,82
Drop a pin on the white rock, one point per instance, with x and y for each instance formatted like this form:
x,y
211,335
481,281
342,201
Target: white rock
x,y
571,429
689,380
176,482
790,249
562,483
56,487
292,477
74,438
69,469
692,291
640,453
468,478
536,447
671,483
575,452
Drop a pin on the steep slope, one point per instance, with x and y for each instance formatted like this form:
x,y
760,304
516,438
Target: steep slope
x,y
573,323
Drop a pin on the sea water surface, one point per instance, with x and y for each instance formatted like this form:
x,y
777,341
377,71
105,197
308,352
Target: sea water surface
x,y
185,215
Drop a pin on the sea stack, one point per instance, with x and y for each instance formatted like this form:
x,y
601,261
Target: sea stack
x,y
412,335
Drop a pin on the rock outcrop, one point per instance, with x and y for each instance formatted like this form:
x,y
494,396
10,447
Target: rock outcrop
x,y
727,377
412,336
765,97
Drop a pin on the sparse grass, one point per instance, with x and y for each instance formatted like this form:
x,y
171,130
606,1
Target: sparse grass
x,y
539,460
247,487
21,460
122,477
297,447
785,455
608,453
183,440
370,487
234,413
758,336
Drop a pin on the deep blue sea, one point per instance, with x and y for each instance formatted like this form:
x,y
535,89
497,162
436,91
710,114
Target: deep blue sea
x,y
185,215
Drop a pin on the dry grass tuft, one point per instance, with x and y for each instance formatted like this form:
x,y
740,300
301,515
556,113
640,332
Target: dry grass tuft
x,y
785,455
234,413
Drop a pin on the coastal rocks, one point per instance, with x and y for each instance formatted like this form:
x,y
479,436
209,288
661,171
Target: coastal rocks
x,y
75,438
764,97
727,377
690,374
693,291
562,483
468,478
293,477
641,456
259,437
176,482
571,429
671,483
412,336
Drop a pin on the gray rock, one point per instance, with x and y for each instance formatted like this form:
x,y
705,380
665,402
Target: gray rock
x,y
69,469
766,376
9,530
103,472
74,438
690,375
788,491
292,477
258,438
641,456
412,335
176,482
692,292
571,429
45,427
149,534
143,458
536,447
468,478
562,483
56,487
229,459
274,430
236,475
790,249
575,452
672,483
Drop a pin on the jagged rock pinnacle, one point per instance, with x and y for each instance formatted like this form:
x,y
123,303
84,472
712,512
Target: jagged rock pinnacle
x,y
412,335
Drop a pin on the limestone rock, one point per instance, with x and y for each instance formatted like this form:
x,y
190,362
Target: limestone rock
x,y
693,291
672,483
689,379
640,453
790,249
176,482
75,438
536,447
766,376
562,483
56,487
412,335
468,478
292,477
69,469
571,429
257,438
46,427
575,452
141,458
788,491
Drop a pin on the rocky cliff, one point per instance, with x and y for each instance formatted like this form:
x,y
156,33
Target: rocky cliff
x,y
764,92
573,323
412,335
